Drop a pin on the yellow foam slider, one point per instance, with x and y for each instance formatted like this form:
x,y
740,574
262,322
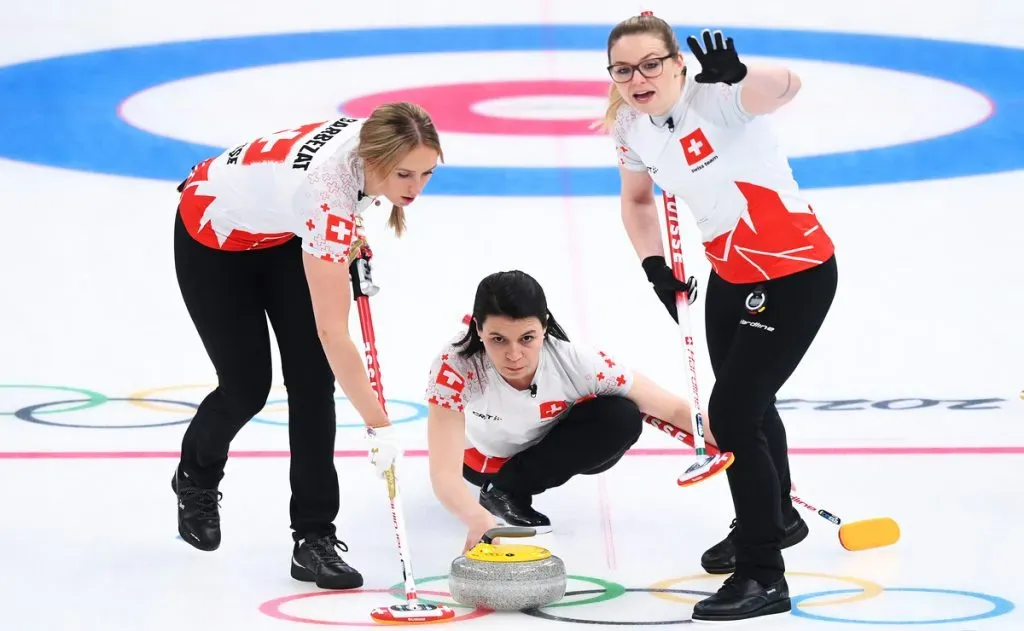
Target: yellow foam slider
x,y
869,533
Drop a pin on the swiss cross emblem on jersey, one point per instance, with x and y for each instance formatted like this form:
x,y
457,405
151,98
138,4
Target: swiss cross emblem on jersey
x,y
450,378
339,229
696,146
551,409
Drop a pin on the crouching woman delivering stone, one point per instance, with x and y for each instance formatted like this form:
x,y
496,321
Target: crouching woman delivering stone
x,y
516,409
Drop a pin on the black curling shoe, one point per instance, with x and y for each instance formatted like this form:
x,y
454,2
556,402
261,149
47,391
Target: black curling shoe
x,y
315,560
198,512
721,557
512,510
741,598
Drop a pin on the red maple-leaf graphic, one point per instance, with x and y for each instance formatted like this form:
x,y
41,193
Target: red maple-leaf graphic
x,y
202,221
769,239
193,205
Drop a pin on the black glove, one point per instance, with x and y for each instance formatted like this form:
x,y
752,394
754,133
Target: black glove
x,y
721,63
666,284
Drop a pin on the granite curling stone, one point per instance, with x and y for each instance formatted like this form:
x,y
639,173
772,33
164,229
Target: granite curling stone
x,y
507,577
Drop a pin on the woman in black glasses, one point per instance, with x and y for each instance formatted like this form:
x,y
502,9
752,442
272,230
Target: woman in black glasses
x,y
701,136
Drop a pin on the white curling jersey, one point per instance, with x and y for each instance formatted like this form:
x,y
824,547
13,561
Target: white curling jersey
x,y
306,181
502,421
728,168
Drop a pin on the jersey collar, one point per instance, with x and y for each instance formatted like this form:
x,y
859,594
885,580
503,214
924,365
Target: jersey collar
x,y
678,109
358,168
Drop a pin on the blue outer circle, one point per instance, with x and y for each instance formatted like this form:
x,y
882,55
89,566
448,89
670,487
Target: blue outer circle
x,y
1000,606
62,111
420,411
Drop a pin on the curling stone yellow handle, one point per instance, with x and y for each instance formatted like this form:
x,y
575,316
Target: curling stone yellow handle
x,y
486,550
507,531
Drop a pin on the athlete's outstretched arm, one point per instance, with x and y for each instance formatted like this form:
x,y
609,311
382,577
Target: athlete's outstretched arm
x,y
640,213
660,403
767,88
331,291
762,88
446,440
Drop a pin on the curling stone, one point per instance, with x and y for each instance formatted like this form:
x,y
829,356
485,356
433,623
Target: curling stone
x,y
507,577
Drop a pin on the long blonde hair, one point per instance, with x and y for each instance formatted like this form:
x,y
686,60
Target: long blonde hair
x,y
392,131
645,23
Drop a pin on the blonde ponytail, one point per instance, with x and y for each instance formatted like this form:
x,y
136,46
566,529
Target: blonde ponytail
x,y
391,131
396,221
615,101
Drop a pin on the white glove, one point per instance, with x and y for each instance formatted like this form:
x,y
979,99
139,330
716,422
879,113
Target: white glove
x,y
383,448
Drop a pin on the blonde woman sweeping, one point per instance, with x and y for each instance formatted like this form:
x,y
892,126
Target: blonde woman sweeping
x,y
265,230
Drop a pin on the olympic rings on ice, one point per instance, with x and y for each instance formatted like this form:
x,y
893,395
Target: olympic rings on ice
x,y
537,613
1000,606
28,413
74,399
868,589
608,591
662,589
93,398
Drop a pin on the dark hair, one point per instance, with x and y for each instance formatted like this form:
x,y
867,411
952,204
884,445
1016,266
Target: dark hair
x,y
514,294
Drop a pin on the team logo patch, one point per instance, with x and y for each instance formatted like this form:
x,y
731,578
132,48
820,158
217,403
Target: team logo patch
x,y
551,409
696,147
755,301
450,378
340,229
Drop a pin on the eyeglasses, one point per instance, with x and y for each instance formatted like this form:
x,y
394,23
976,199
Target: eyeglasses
x,y
650,68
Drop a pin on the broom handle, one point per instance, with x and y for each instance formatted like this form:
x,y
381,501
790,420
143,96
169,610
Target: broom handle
x,y
682,308
683,311
361,281
686,438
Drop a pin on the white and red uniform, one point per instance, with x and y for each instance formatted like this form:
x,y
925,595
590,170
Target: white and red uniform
x,y
502,421
727,167
306,181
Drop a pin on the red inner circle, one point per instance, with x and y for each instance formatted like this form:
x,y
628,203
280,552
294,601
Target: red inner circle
x,y
450,106
272,608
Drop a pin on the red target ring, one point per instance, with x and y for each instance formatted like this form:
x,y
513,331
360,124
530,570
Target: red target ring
x,y
451,106
272,608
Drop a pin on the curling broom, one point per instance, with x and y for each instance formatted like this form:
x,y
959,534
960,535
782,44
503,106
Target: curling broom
x,y
706,465
866,534
412,610
859,535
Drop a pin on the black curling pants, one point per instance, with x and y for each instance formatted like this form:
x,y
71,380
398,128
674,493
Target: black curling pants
x,y
590,439
230,296
753,355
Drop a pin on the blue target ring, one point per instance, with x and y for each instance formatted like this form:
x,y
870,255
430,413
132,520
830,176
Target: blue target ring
x,y
1000,606
62,111
419,411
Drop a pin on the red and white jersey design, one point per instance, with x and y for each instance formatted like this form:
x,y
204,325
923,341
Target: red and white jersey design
x,y
305,181
728,168
502,421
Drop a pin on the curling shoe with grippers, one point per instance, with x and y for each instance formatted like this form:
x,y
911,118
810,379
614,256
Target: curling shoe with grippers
x,y
513,510
741,598
721,557
316,560
198,512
